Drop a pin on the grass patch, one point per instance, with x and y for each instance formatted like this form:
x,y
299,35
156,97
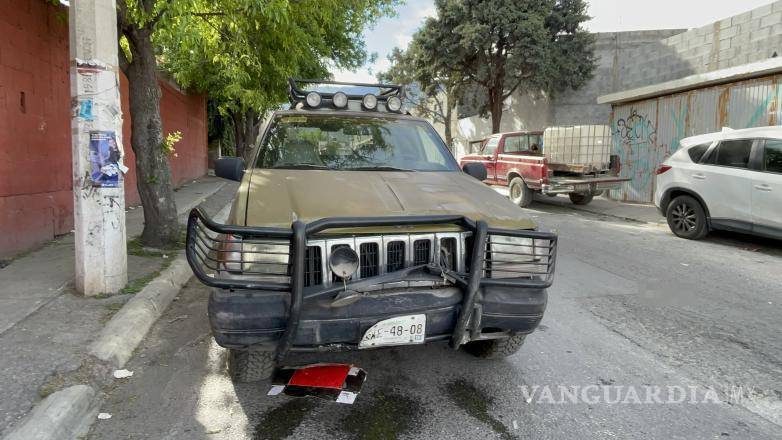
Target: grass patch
x,y
137,285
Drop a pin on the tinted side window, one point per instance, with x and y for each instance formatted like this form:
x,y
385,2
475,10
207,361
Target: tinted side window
x,y
697,152
512,144
772,156
491,146
734,153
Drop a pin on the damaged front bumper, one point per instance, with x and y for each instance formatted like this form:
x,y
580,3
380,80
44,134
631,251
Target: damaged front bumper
x,y
264,301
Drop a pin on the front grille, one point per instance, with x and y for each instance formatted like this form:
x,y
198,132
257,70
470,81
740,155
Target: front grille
x,y
422,250
313,266
369,260
448,253
395,256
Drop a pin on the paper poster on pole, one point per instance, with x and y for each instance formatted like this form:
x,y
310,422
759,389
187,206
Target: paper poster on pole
x,y
104,157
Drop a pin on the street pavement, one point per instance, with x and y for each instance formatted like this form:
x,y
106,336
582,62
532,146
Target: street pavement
x,y
632,308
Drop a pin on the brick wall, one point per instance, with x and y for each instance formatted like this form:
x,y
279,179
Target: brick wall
x,y
35,143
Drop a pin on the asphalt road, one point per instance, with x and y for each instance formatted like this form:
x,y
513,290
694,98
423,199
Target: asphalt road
x,y
632,308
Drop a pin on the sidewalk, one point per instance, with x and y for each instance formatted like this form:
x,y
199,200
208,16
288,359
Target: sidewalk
x,y
46,327
600,206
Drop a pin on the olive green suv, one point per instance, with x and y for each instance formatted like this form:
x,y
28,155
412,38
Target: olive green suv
x,y
354,228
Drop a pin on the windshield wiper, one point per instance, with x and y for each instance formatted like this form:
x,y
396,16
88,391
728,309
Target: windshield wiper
x,y
378,168
299,166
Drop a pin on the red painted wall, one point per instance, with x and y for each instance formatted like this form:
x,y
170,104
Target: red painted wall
x,y
36,201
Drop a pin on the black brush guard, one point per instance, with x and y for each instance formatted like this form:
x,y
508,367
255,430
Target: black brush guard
x,y
207,241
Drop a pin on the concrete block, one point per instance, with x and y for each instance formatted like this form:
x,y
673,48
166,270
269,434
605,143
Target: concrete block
x,y
761,11
724,43
771,19
729,32
760,34
776,6
724,24
726,54
740,40
776,29
741,18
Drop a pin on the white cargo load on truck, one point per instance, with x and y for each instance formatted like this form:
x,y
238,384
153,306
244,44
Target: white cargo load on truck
x,y
578,149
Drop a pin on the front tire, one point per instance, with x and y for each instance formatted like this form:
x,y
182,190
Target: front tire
x,y
581,198
250,365
496,348
519,192
687,218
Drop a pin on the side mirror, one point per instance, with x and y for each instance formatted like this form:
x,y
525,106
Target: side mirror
x,y
230,168
476,169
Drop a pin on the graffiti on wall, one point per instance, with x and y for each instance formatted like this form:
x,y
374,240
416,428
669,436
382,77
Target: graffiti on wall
x,y
636,129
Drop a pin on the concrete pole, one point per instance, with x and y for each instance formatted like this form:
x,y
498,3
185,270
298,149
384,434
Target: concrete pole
x,y
96,125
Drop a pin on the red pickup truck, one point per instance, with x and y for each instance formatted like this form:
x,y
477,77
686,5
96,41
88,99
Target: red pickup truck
x,y
581,170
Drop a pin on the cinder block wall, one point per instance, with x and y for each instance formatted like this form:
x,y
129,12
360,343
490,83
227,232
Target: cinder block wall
x,y
752,36
36,201
613,50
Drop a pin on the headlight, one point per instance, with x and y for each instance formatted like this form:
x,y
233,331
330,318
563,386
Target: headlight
x,y
394,104
514,257
313,99
369,102
265,261
340,100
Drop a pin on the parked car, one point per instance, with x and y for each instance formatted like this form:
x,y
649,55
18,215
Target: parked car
x,y
575,161
355,228
728,180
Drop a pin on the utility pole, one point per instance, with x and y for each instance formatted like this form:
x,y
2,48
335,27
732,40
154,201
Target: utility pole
x,y
96,130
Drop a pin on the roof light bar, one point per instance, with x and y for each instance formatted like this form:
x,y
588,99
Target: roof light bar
x,y
340,100
394,104
369,102
313,99
387,93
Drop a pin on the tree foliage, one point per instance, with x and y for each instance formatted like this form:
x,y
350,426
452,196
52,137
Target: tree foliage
x,y
239,52
430,92
504,45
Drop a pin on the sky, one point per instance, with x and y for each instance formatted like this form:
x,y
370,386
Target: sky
x,y
607,15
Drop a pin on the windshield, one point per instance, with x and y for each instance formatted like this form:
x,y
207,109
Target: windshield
x,y
338,142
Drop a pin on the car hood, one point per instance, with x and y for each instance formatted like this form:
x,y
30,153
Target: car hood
x,y
276,198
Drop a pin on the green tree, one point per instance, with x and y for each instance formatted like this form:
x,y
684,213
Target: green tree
x,y
504,45
431,92
240,52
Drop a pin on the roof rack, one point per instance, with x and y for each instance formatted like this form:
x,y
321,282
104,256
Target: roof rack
x,y
297,94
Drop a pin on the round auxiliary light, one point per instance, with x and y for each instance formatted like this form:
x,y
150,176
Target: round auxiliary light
x,y
340,100
369,102
343,262
394,104
313,99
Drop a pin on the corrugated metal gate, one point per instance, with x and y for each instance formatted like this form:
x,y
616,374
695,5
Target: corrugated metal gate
x,y
645,133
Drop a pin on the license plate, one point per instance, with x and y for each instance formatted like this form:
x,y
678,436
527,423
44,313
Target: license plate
x,y
402,330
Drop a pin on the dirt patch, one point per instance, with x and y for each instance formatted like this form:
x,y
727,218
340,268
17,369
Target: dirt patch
x,y
477,404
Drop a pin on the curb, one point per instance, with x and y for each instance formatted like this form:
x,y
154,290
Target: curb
x,y
125,331
69,413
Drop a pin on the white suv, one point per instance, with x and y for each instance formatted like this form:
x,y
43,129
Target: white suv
x,y
727,180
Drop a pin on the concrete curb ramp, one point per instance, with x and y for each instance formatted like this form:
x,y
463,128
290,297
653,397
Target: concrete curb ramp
x,y
65,414
69,413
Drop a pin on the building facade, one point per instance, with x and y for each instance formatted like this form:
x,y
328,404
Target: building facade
x,y
36,201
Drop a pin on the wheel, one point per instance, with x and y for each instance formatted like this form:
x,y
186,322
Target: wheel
x,y
686,218
581,198
552,195
495,348
597,192
250,365
520,193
